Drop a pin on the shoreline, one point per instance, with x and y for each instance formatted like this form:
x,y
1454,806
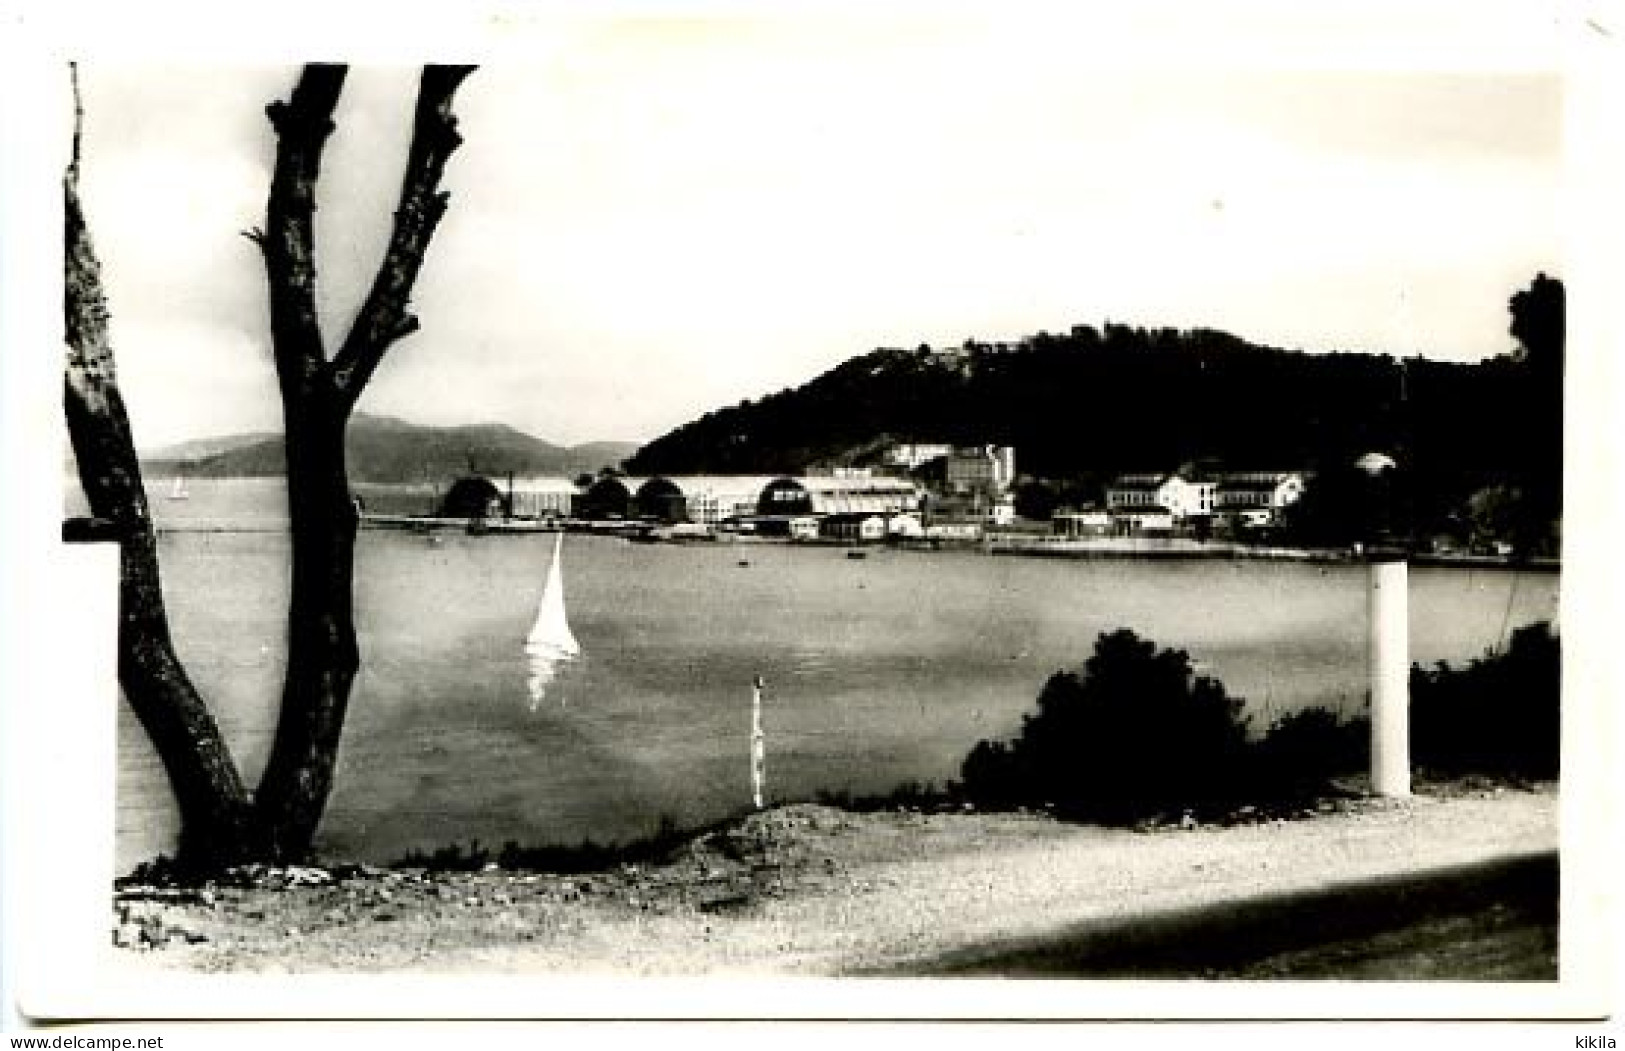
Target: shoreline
x,y
1150,549
1142,548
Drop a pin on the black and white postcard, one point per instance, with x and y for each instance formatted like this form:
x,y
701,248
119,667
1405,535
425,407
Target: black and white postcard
x,y
515,505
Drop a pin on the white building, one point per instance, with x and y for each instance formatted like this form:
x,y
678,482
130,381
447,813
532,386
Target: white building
x,y
1180,497
954,531
906,526
832,495
543,497
989,469
1245,497
1092,522
1258,491
1002,511
712,498
910,455
1143,520
853,528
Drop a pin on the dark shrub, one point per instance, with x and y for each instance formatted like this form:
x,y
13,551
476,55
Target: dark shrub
x,y
1138,734
586,856
910,795
1498,717
1303,751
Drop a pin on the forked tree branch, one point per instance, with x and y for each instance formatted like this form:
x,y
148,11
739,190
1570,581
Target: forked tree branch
x,y
385,317
288,240
318,395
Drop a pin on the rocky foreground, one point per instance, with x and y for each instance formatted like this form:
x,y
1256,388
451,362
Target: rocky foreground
x,y
811,889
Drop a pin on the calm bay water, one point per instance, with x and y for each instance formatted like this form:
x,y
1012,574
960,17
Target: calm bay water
x,y
879,670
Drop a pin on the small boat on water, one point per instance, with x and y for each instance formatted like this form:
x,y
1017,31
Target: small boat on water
x,y
551,632
550,643
178,490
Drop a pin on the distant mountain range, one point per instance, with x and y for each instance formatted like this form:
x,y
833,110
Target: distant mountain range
x,y
388,450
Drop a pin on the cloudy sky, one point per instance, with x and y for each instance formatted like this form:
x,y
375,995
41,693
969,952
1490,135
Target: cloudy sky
x,y
653,217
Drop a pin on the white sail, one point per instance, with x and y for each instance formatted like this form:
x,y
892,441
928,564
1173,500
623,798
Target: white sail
x,y
551,634
551,644
178,490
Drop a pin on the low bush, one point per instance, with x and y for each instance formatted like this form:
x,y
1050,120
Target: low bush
x,y
1500,716
910,795
586,856
1301,753
1137,735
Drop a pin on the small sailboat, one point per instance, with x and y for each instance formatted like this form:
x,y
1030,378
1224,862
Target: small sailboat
x,y
550,643
178,490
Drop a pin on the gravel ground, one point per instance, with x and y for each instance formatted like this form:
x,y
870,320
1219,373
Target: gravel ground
x,y
807,889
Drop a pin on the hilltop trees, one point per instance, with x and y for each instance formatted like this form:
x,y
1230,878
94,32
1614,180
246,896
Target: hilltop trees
x,y
1491,469
1091,401
1087,404
1538,322
1539,326
221,821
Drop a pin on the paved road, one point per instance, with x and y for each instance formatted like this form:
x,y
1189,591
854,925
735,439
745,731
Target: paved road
x,y
1493,921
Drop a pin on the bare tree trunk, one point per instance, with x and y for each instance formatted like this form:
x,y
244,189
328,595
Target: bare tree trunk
x,y
318,395
323,656
209,791
220,825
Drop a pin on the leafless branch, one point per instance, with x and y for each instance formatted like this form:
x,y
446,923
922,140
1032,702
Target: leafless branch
x,y
288,240
78,123
385,317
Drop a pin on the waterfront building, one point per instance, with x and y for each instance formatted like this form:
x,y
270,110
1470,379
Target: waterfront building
x,y
1233,498
1270,490
830,494
609,497
472,497
1088,522
1150,519
905,526
1182,498
542,496
957,531
989,470
700,499
660,500
854,528
713,498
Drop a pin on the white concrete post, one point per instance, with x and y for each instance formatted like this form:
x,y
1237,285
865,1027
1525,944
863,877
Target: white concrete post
x,y
1390,678
758,745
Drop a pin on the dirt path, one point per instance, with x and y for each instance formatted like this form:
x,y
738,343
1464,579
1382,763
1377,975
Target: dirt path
x,y
812,890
